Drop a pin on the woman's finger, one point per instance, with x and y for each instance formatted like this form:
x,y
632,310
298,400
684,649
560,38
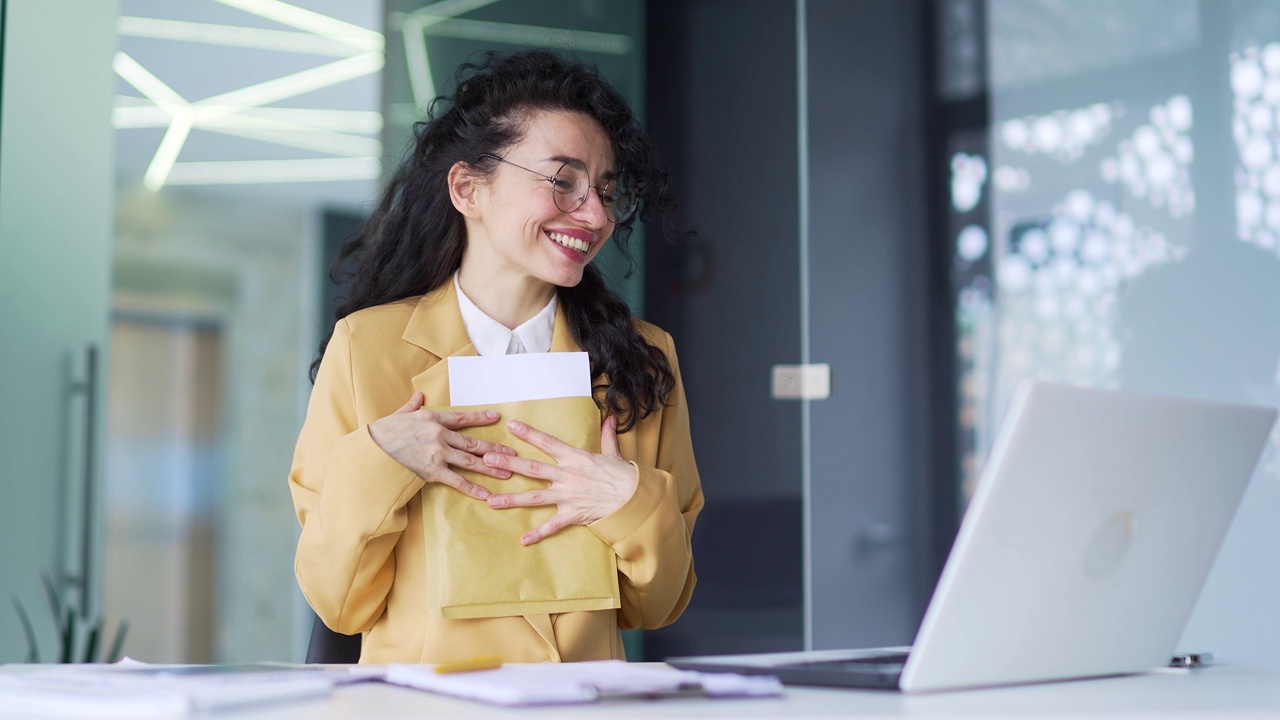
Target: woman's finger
x,y
545,530
475,446
454,419
524,466
609,437
549,444
531,498
467,461
414,404
461,484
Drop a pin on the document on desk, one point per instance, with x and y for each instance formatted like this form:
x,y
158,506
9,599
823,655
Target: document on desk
x,y
137,691
530,684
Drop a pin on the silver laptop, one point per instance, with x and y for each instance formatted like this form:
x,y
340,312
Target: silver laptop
x,y
1091,530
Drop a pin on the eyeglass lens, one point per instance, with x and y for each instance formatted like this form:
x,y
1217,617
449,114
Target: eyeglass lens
x,y
571,187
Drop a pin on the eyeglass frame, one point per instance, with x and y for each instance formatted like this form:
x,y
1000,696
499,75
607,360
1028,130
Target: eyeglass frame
x,y
600,191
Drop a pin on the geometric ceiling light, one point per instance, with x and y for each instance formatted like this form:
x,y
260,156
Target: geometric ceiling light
x,y
415,47
441,19
348,136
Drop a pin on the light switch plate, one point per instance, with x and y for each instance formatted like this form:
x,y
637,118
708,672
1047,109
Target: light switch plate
x,y
801,382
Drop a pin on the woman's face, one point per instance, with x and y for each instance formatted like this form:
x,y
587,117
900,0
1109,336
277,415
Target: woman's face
x,y
517,228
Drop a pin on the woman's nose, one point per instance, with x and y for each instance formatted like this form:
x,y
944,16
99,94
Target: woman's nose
x,y
592,210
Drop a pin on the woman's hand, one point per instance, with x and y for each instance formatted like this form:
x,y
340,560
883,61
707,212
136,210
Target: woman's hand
x,y
584,486
425,442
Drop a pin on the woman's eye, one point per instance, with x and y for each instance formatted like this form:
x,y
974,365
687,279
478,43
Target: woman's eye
x,y
562,186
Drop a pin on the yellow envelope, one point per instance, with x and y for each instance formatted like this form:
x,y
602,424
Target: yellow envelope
x,y
476,566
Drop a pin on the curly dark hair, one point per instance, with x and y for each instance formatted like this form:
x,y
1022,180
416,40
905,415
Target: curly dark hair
x,y
414,240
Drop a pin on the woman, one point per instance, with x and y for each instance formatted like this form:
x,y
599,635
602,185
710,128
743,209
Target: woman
x,y
482,244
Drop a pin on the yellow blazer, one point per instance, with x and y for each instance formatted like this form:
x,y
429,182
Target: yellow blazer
x,y
361,559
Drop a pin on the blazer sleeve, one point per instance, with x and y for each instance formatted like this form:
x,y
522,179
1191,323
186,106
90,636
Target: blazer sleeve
x,y
652,531
350,498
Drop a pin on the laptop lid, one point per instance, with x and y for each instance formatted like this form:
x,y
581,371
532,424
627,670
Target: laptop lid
x,y
1090,533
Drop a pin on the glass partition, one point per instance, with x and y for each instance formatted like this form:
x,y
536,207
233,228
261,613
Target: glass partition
x,y
1117,224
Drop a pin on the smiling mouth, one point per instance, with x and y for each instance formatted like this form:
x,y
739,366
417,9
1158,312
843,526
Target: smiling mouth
x,y
572,243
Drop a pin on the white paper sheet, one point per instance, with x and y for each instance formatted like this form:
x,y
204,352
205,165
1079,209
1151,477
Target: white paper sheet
x,y
488,379
581,682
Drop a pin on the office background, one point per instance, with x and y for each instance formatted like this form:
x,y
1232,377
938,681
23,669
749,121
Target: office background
x,y
936,198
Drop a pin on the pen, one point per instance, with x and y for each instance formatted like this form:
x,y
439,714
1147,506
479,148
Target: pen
x,y
1192,660
470,665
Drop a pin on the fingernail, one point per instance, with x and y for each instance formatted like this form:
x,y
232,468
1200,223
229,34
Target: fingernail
x,y
526,540
484,494
491,414
515,425
490,458
508,451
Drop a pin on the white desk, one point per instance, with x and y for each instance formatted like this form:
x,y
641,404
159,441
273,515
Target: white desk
x,y
1217,692
1222,691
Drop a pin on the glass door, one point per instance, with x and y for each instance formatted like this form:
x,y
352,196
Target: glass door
x,y
55,241
864,300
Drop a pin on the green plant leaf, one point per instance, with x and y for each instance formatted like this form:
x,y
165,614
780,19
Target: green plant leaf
x,y
116,647
51,592
33,649
91,643
68,636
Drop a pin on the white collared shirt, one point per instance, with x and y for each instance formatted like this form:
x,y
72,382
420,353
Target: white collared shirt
x,y
493,338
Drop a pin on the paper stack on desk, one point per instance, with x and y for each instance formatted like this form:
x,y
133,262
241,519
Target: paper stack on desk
x,y
137,691
578,683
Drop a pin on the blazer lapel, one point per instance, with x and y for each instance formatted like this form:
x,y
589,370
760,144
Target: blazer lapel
x,y
436,326
561,337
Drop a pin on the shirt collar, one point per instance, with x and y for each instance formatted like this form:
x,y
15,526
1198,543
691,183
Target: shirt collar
x,y
493,338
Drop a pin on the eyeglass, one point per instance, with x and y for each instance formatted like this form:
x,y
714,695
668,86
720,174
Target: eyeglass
x,y
569,188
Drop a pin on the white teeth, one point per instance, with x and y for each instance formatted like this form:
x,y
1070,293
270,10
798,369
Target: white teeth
x,y
569,242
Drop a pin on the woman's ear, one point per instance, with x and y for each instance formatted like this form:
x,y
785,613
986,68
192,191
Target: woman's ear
x,y
463,187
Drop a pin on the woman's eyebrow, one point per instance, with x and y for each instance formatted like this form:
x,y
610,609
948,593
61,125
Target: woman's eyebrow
x,y
578,164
